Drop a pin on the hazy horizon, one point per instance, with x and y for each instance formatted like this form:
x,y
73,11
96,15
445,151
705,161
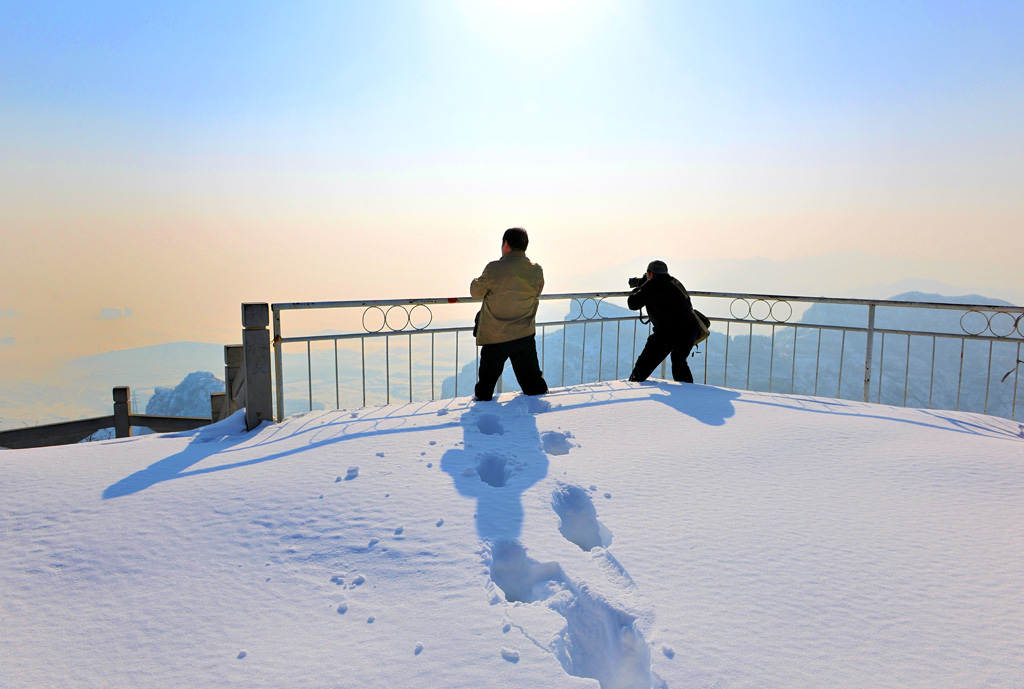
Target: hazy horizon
x,y
164,164
81,386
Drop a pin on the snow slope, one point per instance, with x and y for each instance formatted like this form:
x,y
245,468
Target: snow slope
x,y
607,535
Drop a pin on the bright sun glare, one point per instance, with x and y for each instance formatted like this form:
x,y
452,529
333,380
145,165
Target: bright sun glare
x,y
536,30
536,8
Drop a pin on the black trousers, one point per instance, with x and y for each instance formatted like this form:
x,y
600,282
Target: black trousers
x,y
523,353
659,345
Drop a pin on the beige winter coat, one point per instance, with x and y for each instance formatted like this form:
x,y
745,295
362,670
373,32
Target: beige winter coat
x,y
509,287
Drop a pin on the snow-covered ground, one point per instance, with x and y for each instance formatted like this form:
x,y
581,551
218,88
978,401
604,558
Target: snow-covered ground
x,y
612,534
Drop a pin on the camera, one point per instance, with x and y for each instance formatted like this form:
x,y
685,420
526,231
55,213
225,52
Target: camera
x,y
637,282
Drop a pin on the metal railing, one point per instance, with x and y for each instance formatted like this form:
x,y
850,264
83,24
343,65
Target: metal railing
x,y
922,354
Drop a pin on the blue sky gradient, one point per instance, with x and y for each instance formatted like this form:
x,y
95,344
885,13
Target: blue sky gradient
x,y
148,143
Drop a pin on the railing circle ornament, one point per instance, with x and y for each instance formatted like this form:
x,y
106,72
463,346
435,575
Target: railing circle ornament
x,y
1020,324
974,331
577,303
383,319
1004,326
430,317
761,310
746,308
597,308
387,316
755,305
789,309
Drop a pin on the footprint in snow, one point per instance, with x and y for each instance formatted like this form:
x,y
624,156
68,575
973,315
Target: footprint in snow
x,y
556,442
489,424
578,520
600,639
494,469
536,405
339,580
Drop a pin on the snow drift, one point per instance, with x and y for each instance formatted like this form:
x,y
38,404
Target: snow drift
x,y
610,535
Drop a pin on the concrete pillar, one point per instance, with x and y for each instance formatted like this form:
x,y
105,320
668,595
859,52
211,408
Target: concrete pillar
x,y
122,412
259,396
218,403
234,358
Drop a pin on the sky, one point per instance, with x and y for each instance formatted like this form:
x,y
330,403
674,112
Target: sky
x,y
161,164
603,536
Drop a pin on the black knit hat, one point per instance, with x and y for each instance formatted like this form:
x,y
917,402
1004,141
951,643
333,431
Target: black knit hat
x,y
657,267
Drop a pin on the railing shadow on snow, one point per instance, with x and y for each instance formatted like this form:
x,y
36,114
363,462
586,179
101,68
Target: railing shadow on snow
x,y
220,446
222,441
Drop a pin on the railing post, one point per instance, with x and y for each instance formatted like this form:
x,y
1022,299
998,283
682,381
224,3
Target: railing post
x,y
279,364
256,358
234,358
122,412
218,403
869,351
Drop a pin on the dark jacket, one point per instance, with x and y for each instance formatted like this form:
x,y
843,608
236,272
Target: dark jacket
x,y
668,305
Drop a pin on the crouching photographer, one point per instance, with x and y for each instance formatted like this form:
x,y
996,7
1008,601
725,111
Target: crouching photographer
x,y
675,328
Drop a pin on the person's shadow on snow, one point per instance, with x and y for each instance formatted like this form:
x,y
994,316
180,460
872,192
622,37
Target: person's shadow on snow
x,y
501,457
709,405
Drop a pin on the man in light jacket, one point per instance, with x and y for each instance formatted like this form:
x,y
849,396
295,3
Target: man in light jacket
x,y
507,325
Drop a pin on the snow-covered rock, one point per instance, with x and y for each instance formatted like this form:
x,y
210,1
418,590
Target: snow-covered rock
x,y
191,397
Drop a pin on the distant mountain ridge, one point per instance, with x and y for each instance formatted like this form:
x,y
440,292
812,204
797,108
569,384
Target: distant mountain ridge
x,y
82,387
942,299
161,364
840,274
